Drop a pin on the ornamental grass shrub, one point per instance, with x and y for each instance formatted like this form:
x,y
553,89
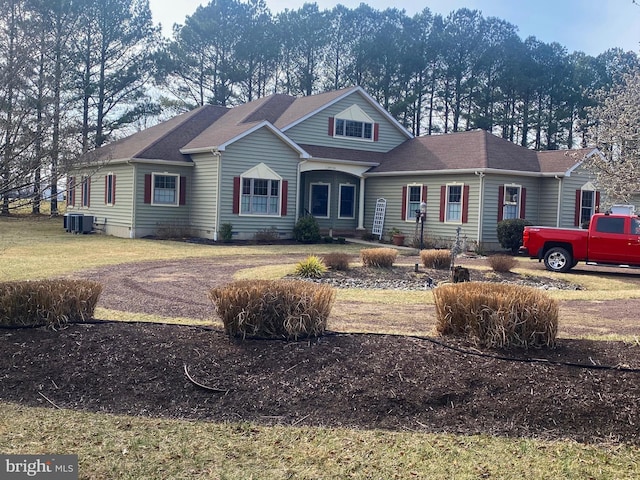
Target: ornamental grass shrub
x,y
502,263
310,267
436,259
52,303
378,257
496,315
336,260
288,309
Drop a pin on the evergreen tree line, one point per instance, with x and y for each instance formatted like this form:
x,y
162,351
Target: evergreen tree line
x,y
75,74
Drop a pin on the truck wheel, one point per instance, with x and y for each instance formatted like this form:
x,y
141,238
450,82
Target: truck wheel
x,y
557,259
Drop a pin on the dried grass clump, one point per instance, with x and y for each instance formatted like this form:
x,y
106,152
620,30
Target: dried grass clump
x,y
336,260
502,263
273,308
47,302
378,257
496,315
436,259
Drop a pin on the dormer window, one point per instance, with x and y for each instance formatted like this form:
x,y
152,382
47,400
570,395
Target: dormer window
x,y
355,129
353,123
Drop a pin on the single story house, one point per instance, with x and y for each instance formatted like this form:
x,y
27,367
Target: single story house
x,y
262,165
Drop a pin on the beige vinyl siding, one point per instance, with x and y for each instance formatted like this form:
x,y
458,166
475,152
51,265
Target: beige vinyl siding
x,y
202,197
314,130
334,179
390,188
113,219
150,218
261,146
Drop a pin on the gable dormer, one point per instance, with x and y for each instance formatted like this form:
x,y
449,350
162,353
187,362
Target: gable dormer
x,y
353,123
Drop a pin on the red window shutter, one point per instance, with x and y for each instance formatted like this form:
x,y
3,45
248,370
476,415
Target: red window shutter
x,y
523,202
376,131
403,212
424,193
113,190
331,120
183,190
500,202
576,218
443,201
597,201
88,192
147,188
106,188
283,200
236,195
465,204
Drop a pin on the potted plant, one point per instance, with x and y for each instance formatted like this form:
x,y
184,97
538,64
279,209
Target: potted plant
x,y
397,237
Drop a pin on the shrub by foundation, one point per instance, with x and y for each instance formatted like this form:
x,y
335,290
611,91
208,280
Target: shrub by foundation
x,y
47,302
336,260
311,267
378,257
273,308
502,263
436,259
496,315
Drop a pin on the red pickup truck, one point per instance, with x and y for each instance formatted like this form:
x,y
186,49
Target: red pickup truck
x,y
610,240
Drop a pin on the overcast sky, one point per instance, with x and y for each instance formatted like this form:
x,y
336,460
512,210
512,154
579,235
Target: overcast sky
x,y
590,26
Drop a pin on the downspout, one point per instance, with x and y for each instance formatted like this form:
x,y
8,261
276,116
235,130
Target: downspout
x,y
216,153
559,211
132,230
480,209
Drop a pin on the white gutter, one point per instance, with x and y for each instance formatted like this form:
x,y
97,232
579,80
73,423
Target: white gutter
x,y
458,171
480,209
173,163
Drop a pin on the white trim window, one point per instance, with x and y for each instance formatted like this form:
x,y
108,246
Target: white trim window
x,y
319,199
354,129
453,208
260,196
587,204
511,204
355,124
109,189
414,199
86,191
347,201
165,189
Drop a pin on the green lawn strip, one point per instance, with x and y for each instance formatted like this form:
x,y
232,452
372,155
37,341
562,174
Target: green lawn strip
x,y
123,447
32,248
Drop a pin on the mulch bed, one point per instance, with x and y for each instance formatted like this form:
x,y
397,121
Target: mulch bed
x,y
350,380
347,380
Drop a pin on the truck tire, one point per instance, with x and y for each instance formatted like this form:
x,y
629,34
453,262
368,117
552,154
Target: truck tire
x,y
557,259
